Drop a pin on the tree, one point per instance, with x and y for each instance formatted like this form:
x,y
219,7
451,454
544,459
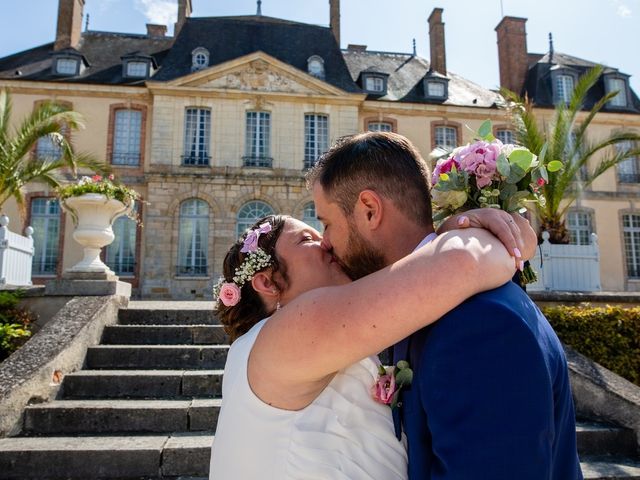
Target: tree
x,y
19,166
565,139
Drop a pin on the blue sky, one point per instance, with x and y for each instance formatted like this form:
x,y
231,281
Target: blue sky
x,y
606,31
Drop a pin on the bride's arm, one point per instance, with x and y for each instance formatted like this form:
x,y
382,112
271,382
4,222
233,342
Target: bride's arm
x,y
324,330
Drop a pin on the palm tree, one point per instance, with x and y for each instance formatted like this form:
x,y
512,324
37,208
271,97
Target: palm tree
x,y
565,139
18,166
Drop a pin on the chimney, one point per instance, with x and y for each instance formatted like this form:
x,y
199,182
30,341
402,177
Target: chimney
x,y
436,42
184,12
512,53
156,31
69,24
334,19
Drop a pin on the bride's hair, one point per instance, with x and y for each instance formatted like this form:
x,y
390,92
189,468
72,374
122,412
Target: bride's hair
x,y
238,319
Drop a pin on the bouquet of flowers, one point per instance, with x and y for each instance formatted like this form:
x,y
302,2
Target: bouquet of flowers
x,y
488,173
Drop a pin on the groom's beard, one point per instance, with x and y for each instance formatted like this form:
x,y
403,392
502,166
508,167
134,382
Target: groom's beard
x,y
361,258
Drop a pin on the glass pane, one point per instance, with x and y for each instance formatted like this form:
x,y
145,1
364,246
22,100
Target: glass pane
x,y
249,214
45,220
446,137
309,216
380,127
137,69
316,137
121,253
619,85
505,136
435,89
127,134
66,66
197,131
193,238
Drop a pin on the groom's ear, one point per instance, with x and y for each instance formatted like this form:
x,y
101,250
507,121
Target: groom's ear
x,y
369,209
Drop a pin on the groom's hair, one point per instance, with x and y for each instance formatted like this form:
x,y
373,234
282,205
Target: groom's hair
x,y
386,163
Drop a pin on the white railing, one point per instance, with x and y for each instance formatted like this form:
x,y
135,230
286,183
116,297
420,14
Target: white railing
x,y
16,255
567,267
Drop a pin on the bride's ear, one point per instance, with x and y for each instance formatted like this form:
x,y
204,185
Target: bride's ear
x,y
263,284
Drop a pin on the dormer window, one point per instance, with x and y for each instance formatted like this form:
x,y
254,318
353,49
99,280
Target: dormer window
x,y
315,66
563,82
137,69
66,66
68,63
199,59
617,84
435,89
374,84
137,65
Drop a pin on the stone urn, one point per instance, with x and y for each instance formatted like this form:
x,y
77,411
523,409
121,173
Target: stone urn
x,y
93,215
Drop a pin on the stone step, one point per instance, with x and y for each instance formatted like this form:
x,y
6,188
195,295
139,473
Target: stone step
x,y
164,335
156,356
609,468
138,316
150,384
108,457
64,417
599,439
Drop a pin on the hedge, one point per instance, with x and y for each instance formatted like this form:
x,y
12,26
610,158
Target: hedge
x,y
609,336
15,323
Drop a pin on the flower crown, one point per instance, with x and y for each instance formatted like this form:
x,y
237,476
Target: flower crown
x,y
256,260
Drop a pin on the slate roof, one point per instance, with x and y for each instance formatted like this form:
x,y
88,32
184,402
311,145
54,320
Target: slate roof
x,y
539,88
406,72
227,38
102,50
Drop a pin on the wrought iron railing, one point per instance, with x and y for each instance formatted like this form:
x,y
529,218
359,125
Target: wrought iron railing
x,y
257,161
191,270
197,160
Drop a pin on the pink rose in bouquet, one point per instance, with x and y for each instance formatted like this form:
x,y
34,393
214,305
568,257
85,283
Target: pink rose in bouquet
x,y
444,166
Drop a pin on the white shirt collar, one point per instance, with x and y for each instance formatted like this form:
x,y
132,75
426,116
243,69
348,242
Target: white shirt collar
x,y
429,238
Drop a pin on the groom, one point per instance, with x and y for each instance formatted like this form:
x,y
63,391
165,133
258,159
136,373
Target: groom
x,y
490,397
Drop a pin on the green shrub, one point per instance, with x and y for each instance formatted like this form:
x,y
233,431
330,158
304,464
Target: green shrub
x,y
609,336
15,323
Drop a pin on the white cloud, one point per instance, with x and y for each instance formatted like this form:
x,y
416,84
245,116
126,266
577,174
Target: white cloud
x,y
163,12
624,11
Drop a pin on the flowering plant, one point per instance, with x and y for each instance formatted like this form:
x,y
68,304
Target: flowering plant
x,y
488,173
257,259
98,184
386,389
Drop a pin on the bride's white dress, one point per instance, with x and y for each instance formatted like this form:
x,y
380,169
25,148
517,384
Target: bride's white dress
x,y
342,435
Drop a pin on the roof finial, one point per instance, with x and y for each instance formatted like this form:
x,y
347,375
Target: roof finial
x,y
86,23
414,47
550,47
259,12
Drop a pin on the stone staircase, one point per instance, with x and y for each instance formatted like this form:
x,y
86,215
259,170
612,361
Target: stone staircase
x,y
146,404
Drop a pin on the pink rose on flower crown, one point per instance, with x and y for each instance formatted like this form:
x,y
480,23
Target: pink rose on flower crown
x,y
384,388
229,294
479,159
444,166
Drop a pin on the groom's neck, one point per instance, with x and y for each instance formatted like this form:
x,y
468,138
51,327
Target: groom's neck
x,y
405,240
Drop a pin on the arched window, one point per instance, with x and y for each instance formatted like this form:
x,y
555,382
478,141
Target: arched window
x,y
121,253
193,238
315,66
250,213
45,220
199,59
309,216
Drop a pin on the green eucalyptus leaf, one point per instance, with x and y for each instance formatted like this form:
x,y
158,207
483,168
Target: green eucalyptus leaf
x,y
554,165
402,364
543,153
522,158
544,174
507,191
485,131
516,174
503,165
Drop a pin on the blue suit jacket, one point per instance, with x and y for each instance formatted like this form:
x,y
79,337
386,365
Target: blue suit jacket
x,y
490,398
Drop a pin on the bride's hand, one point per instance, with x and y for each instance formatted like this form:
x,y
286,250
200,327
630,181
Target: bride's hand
x,y
513,230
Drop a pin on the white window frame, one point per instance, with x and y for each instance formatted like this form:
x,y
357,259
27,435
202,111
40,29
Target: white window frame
x,y
315,66
63,66
374,84
197,136
316,137
631,237
258,139
127,137
565,84
199,59
379,127
250,213
121,254
443,135
309,216
46,236
193,238
620,100
629,169
580,226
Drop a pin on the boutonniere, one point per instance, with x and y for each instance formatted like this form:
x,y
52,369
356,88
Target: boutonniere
x,y
390,381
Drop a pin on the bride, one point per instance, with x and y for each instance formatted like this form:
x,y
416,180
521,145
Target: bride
x,y
297,388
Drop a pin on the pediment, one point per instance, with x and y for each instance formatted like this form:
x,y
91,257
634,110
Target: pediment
x,y
259,73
